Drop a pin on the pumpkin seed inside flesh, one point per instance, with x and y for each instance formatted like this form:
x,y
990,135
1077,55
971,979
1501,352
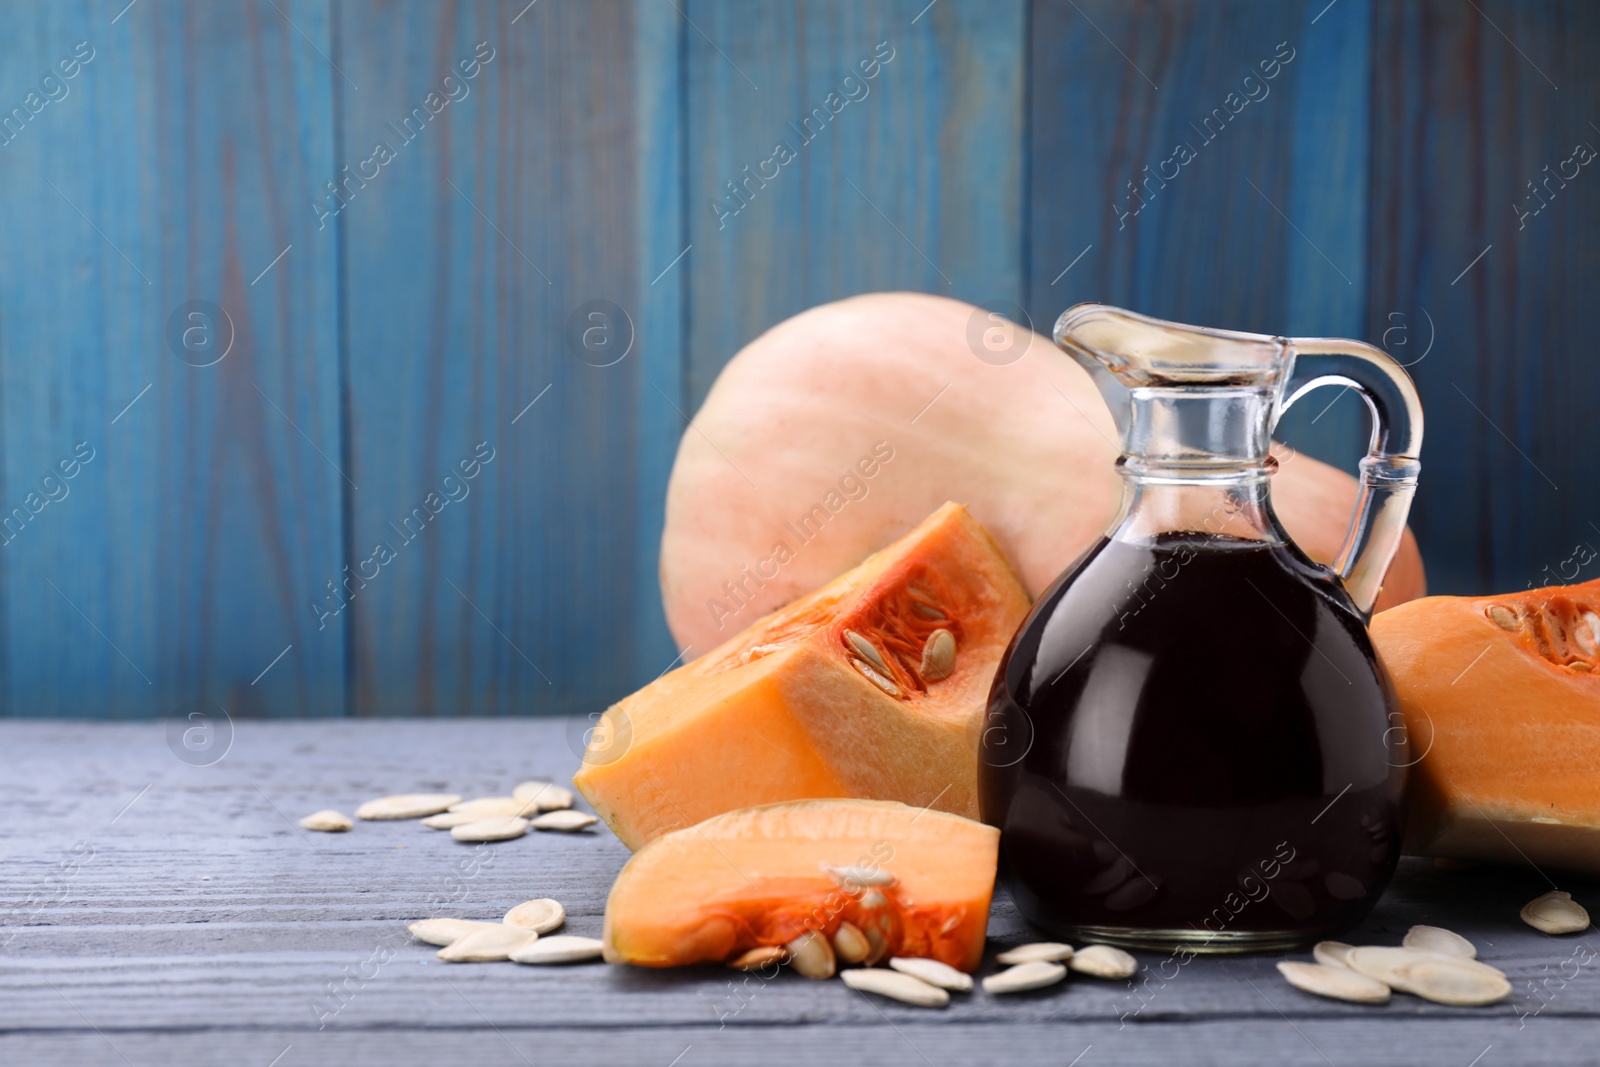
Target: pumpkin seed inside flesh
x,y
1049,951
444,931
938,655
928,611
1556,913
505,828
1503,617
565,820
896,986
855,877
870,674
933,972
487,944
407,806
327,821
1025,976
759,957
850,945
1444,980
1437,939
562,948
540,916
548,796
1335,982
811,955
868,651
1333,954
1103,961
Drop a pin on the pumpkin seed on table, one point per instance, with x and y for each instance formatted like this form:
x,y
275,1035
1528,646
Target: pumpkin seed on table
x,y
933,972
562,948
327,821
1333,954
489,944
407,806
444,931
1438,939
850,945
449,820
810,954
1556,913
1103,961
1049,951
505,828
540,916
1035,974
895,985
494,807
549,796
565,820
759,957
1337,983
1444,981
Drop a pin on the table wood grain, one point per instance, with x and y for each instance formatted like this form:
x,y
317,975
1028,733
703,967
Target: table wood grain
x,y
161,912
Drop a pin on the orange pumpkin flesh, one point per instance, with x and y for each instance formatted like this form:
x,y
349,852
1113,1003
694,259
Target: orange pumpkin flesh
x,y
808,408
757,877
789,709
1501,697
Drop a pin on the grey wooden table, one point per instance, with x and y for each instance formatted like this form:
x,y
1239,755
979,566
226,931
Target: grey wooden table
x,y
162,912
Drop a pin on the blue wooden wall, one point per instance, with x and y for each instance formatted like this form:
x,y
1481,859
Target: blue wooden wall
x,y
330,386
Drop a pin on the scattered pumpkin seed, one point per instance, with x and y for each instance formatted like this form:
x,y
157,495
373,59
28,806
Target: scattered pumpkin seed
x,y
407,806
855,877
811,955
449,820
564,819
547,795
444,931
1335,982
504,828
938,656
850,945
1385,963
1437,939
488,943
1503,617
540,916
1556,913
868,651
759,957
933,972
1035,974
1333,954
328,821
1049,951
494,807
870,674
1103,961
1444,980
896,986
562,948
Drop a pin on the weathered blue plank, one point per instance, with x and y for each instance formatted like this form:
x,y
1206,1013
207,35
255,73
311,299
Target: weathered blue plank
x,y
1484,217
171,571
905,173
477,260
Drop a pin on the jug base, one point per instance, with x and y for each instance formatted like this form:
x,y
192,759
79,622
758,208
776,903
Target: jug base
x,y
1197,941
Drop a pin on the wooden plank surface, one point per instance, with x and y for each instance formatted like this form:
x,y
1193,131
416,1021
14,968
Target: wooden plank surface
x,y
170,571
910,178
475,262
1471,104
1204,162
171,913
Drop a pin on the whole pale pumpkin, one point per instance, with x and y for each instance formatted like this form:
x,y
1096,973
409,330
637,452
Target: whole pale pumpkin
x,y
836,431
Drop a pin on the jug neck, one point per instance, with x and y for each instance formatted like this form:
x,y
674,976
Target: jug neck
x,y
1198,433
1236,508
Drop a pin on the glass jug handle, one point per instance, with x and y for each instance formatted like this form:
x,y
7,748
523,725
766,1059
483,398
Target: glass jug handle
x,y
1389,471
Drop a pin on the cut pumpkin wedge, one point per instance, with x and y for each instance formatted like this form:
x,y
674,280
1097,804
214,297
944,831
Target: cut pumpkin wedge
x,y
914,881
1501,696
873,686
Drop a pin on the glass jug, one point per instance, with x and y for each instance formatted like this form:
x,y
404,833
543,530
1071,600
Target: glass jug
x,y
1191,743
